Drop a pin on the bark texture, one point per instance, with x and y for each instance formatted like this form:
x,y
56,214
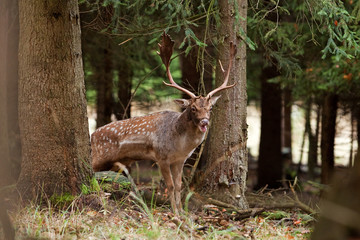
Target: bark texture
x,y
123,105
270,168
191,77
52,105
328,127
9,125
104,84
224,177
313,139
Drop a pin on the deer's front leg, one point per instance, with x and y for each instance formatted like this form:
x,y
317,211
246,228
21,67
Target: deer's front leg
x,y
166,173
177,170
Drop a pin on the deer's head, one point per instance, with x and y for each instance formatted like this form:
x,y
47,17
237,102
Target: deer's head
x,y
197,107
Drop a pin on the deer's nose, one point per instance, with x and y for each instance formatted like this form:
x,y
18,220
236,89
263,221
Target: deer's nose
x,y
204,122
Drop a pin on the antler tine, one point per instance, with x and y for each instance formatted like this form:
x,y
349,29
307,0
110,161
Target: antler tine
x,y
223,86
166,49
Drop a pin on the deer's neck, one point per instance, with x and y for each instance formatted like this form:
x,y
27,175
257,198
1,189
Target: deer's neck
x,y
186,127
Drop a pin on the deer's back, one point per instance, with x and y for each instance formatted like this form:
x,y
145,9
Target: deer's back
x,y
139,138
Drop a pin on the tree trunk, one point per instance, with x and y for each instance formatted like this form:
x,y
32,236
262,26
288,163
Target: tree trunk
x,y
5,176
286,121
191,77
10,136
52,106
123,105
270,168
224,177
104,85
328,127
351,153
313,142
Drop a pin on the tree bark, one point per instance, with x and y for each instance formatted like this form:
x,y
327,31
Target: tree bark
x,y
191,77
313,142
286,122
122,108
9,124
104,85
224,177
328,128
270,165
52,106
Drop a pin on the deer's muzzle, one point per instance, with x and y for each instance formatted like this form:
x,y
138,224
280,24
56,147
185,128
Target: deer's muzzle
x,y
204,123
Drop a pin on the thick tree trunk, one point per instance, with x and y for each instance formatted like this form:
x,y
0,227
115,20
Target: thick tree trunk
x,y
6,20
104,85
270,168
52,105
328,127
224,177
9,124
123,105
5,176
191,75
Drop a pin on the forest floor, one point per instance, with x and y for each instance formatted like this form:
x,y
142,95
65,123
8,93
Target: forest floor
x,y
132,221
109,210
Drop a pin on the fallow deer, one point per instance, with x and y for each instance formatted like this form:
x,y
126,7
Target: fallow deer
x,y
168,137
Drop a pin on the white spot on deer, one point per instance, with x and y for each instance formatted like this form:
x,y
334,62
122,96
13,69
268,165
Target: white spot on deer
x,y
115,131
110,141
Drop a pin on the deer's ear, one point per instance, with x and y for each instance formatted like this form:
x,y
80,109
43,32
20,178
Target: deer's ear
x,y
214,99
183,103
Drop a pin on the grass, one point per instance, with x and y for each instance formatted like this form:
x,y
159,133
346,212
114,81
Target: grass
x,y
130,220
95,215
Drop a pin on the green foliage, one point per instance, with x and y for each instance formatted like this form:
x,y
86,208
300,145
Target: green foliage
x,y
311,42
276,215
135,28
61,201
93,187
338,24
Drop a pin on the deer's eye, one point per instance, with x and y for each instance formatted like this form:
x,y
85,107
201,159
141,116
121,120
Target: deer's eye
x,y
193,109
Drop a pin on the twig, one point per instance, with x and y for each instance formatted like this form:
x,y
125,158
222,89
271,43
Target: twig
x,y
297,202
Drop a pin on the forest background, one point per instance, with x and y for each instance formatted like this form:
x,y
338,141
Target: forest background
x,y
292,55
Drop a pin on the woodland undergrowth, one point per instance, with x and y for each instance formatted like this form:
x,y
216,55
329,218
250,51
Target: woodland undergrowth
x,y
118,209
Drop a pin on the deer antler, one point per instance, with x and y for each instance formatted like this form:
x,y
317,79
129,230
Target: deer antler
x,y
166,49
223,86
